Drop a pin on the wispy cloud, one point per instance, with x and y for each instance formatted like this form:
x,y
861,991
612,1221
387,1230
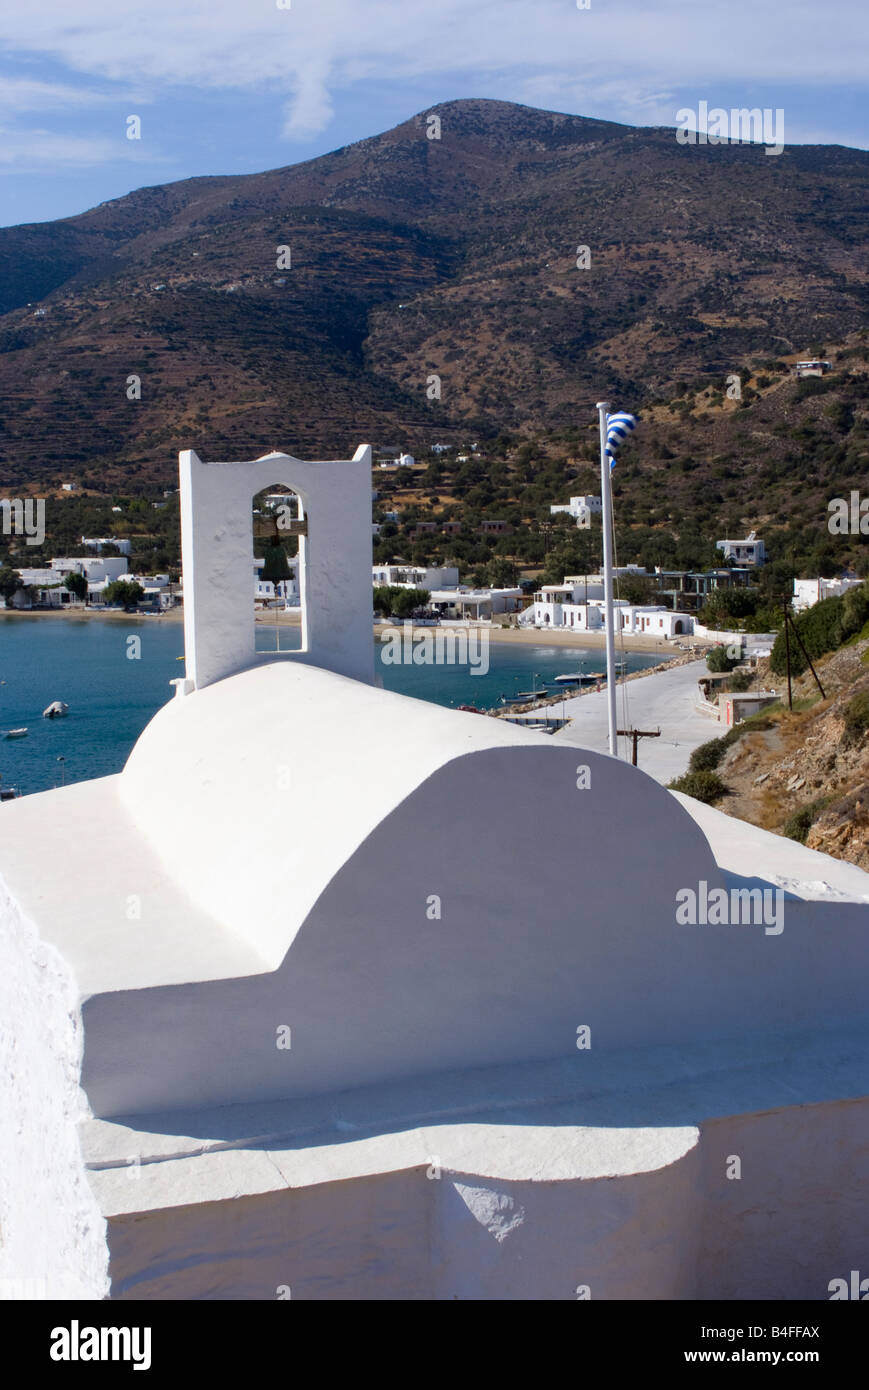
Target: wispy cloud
x,y
26,94
39,149
546,50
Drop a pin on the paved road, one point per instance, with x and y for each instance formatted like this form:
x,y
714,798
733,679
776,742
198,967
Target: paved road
x,y
662,701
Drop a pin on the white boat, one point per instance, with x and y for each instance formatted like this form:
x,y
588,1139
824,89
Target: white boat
x,y
56,710
15,733
580,678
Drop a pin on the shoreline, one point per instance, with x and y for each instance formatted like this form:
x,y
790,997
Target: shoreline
x,y
534,637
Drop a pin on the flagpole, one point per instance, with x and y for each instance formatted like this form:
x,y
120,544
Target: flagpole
x,y
607,518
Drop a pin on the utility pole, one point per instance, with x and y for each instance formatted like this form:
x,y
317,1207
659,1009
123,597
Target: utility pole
x,y
788,654
789,619
634,735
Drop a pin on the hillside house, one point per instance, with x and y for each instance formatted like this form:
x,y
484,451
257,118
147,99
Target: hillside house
x,y
750,551
812,367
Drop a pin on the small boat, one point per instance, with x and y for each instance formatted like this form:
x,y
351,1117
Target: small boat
x,y
588,677
9,793
56,710
15,733
530,694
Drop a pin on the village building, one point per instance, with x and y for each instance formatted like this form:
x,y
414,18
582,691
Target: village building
x,y
415,576
808,592
122,545
476,605
750,551
580,506
812,367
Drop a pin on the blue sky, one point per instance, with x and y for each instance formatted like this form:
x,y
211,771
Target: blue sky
x,y
235,86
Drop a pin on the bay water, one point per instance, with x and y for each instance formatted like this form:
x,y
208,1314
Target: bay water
x,y
113,686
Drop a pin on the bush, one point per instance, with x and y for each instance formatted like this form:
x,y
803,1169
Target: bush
x,y
703,786
797,826
718,660
857,716
707,757
740,680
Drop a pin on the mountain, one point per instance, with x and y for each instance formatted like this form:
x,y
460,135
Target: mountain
x,y
412,258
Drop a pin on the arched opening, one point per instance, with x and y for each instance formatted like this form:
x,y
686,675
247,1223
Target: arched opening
x,y
279,528
677,626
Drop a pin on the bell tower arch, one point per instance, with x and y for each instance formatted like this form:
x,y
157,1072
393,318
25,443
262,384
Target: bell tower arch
x,y
334,564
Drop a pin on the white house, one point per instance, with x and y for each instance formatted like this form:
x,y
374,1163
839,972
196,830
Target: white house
x,y
573,604
475,604
808,592
402,461
415,576
45,588
560,605
581,506
653,620
750,551
812,367
93,568
97,543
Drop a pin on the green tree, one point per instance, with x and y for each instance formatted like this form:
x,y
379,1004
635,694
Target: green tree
x,y
502,573
77,584
718,660
10,582
124,591
406,601
635,588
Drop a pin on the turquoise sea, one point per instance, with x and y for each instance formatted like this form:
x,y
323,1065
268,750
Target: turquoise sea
x,y
111,696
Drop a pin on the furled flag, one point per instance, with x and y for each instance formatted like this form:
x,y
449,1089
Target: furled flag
x,y
618,427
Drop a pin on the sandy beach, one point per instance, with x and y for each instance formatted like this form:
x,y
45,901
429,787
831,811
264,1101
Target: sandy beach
x,y
533,637
173,615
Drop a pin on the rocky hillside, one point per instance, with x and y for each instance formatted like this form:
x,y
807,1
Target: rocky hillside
x,y
412,258
807,773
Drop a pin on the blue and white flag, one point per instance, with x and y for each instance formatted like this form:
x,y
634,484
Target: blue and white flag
x,y
618,427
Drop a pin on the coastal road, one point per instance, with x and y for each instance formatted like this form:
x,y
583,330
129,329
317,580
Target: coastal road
x,y
662,701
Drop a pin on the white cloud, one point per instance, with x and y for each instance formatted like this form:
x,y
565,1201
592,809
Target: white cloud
x,y
621,56
37,149
20,94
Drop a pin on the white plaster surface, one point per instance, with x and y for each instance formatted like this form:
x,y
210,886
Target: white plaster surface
x,y
52,1234
285,880
516,1182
